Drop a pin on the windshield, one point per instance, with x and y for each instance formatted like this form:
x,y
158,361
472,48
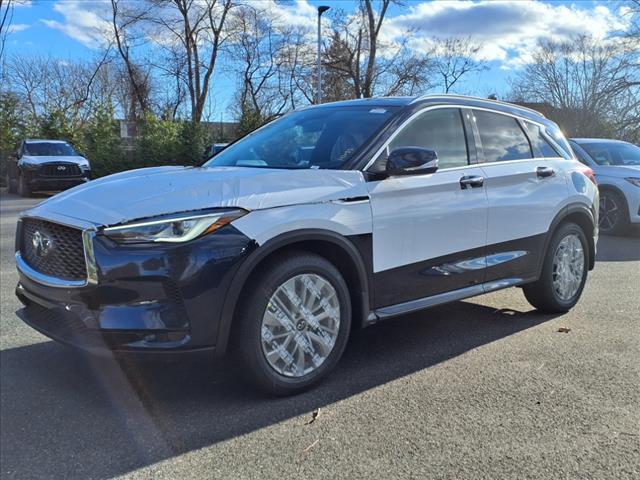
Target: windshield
x,y
315,138
613,153
46,149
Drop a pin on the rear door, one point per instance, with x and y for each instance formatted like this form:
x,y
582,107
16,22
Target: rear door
x,y
429,230
526,188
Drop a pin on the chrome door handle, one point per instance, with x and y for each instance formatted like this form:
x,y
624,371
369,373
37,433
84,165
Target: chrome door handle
x,y
544,172
473,181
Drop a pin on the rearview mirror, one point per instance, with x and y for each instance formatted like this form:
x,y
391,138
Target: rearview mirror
x,y
412,161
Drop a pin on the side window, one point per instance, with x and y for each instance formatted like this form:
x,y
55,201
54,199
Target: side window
x,y
541,147
440,130
502,138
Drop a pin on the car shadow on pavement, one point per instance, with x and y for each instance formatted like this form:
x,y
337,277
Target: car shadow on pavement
x,y
65,415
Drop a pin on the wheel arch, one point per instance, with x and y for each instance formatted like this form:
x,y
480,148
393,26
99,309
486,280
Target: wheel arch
x,y
336,248
610,187
585,218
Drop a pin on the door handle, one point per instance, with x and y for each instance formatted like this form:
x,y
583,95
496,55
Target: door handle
x,y
473,181
544,172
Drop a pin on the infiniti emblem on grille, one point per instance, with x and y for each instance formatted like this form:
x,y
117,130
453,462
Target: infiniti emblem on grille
x,y
62,167
42,244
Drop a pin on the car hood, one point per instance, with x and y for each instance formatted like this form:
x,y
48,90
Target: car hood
x,y
617,170
38,160
155,191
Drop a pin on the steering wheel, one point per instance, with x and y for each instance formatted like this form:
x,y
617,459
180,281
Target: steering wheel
x,y
343,148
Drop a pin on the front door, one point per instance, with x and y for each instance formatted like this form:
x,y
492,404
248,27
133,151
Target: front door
x,y
429,231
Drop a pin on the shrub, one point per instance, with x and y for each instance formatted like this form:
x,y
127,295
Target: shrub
x,y
103,146
56,126
193,140
158,143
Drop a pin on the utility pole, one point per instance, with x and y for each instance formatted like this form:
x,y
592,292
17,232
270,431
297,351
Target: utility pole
x,y
321,10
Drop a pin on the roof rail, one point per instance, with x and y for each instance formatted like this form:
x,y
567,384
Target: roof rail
x,y
487,100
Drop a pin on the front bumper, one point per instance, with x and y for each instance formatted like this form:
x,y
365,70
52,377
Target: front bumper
x,y
632,197
147,298
630,192
44,183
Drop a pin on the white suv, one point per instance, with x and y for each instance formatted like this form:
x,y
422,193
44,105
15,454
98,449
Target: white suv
x,y
616,165
330,218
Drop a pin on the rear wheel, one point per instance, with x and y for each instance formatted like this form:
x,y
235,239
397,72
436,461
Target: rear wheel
x,y
293,324
613,218
564,271
24,189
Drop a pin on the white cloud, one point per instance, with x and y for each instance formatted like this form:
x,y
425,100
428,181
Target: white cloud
x,y
82,22
507,30
299,14
18,27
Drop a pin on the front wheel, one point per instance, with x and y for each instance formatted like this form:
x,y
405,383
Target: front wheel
x,y
613,217
564,271
293,323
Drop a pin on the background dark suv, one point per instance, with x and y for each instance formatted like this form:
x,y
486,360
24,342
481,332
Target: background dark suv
x,y
50,165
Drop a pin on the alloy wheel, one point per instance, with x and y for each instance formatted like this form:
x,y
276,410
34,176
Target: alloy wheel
x,y
609,212
568,267
300,325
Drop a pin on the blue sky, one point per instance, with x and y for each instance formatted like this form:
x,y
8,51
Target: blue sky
x,y
506,30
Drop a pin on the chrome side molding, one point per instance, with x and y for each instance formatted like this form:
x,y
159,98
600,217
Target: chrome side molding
x,y
446,297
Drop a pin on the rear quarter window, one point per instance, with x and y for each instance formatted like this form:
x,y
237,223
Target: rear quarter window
x,y
541,146
558,137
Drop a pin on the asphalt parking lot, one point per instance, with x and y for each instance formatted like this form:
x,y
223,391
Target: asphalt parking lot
x,y
484,388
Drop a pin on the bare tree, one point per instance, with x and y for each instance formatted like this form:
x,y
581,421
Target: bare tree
x,y
371,66
373,24
6,16
196,28
124,20
631,10
255,44
593,85
297,76
272,62
454,59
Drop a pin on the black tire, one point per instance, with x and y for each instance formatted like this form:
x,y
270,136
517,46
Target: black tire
x,y
11,186
24,189
247,340
541,294
614,213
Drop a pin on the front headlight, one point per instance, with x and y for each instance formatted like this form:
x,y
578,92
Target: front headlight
x,y
173,228
634,180
29,165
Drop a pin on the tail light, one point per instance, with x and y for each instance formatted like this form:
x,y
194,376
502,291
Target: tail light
x,y
589,173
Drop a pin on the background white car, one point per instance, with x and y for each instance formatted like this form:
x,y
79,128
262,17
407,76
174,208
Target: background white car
x,y
616,165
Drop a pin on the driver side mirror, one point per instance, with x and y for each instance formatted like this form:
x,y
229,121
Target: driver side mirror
x,y
412,161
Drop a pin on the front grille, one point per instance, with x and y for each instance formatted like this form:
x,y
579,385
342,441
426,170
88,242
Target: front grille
x,y
60,170
57,251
